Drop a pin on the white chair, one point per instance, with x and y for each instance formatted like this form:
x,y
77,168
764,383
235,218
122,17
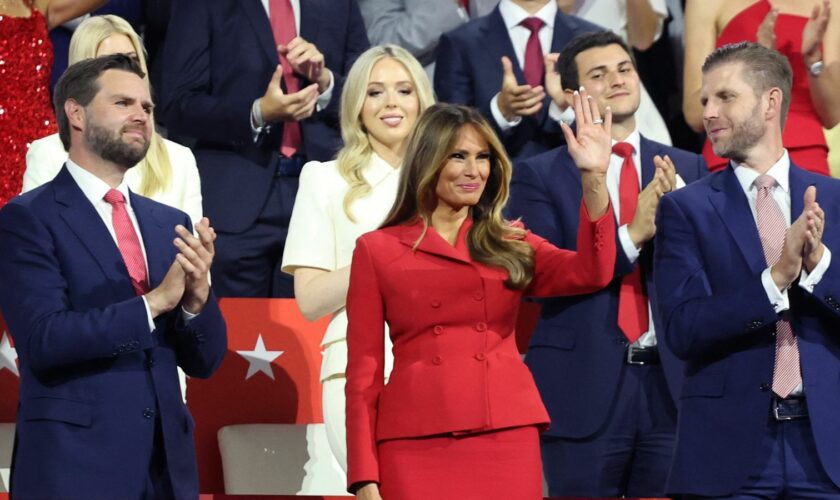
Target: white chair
x,y
7,441
279,459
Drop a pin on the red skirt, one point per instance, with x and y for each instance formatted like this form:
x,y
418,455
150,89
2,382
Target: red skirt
x,y
503,465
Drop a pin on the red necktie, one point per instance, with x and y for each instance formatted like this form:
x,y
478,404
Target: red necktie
x,y
534,69
632,300
465,4
282,19
771,230
128,242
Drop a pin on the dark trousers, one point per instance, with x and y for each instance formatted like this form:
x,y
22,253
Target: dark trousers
x,y
247,264
789,467
630,455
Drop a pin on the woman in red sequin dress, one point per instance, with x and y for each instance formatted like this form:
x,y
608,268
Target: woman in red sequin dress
x,y
805,31
26,58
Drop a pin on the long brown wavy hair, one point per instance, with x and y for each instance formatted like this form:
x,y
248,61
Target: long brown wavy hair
x,y
491,240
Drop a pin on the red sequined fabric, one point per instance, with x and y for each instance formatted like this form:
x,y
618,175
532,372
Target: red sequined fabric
x,y
26,113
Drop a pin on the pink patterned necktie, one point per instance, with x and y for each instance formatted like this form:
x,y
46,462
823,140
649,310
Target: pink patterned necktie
x,y
771,230
534,67
128,242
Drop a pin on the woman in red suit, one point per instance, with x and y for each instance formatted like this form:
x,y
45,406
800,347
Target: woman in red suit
x,y
460,415
804,31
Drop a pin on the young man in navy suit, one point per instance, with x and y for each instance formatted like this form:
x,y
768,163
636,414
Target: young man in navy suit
x,y
103,307
749,298
497,64
257,84
606,380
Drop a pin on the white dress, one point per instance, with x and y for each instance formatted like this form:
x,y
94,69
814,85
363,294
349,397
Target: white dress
x,y
321,236
46,156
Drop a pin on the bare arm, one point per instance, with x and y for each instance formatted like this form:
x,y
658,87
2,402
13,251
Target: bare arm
x,y
320,292
642,24
59,12
824,26
700,35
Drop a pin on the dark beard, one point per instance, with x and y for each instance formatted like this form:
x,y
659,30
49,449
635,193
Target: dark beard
x,y
745,135
110,147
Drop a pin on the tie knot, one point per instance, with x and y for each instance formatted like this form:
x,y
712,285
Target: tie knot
x,y
765,181
533,24
623,149
114,196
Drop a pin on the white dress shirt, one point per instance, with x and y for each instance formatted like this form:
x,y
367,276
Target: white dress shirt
x,y
781,194
613,184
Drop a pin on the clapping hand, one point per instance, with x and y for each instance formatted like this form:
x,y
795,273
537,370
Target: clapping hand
x,y
812,250
517,100
306,60
814,31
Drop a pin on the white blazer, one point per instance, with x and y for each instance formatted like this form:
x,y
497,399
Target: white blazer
x,y
46,156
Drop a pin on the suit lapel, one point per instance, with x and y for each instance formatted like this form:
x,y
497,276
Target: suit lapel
x,y
310,13
256,15
157,240
731,203
646,154
432,242
81,217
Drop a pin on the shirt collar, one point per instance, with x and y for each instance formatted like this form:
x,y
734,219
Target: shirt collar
x,y
779,171
92,186
513,14
634,139
377,170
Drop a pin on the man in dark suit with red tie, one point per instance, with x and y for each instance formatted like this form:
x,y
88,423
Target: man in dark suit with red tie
x,y
257,84
607,382
496,64
750,298
103,307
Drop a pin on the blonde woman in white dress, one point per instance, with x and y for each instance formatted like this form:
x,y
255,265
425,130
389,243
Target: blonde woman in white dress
x,y
338,201
168,174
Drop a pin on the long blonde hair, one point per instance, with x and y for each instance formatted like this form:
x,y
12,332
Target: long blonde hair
x,y
357,151
155,168
491,240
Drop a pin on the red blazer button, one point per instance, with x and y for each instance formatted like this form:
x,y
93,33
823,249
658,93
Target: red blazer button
x,y
478,296
437,329
481,326
437,360
435,303
480,356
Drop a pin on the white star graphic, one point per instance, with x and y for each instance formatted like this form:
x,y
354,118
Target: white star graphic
x,y
259,360
8,355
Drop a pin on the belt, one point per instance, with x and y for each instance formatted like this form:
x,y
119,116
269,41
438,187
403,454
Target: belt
x,y
642,355
789,409
289,167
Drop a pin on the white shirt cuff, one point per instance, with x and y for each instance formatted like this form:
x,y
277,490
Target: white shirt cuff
x,y
778,298
809,281
148,314
323,100
187,316
501,121
566,116
627,244
258,125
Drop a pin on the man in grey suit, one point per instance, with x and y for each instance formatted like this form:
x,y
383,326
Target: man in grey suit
x,y
416,25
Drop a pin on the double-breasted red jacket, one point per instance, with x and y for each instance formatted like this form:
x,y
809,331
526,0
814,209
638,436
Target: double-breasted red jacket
x,y
452,321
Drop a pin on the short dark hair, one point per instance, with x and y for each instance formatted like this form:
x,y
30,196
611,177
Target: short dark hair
x,y
765,68
80,83
566,65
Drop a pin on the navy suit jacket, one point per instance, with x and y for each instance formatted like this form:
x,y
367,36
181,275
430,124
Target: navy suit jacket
x,y
219,57
93,377
468,70
717,318
577,351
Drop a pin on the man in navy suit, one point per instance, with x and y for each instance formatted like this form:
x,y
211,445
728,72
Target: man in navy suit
x,y
103,308
258,105
750,299
496,63
600,370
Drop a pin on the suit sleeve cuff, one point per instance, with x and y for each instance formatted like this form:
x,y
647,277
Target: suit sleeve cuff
x,y
778,298
323,100
809,281
566,116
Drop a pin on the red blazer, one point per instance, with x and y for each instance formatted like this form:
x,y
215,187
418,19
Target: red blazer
x,y
452,320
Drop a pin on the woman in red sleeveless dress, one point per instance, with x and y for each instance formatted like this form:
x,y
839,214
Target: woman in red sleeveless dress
x,y
781,24
26,58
